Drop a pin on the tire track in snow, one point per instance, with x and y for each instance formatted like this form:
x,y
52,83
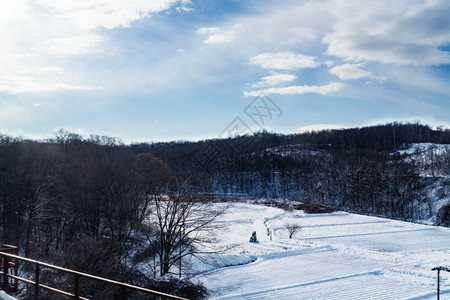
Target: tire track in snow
x,y
431,295
330,288
294,286
345,224
367,234
279,255
264,257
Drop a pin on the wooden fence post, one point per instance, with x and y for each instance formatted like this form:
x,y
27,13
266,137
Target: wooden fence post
x,y
5,274
36,286
77,287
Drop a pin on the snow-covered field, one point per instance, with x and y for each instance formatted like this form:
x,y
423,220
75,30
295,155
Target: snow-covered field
x,y
334,256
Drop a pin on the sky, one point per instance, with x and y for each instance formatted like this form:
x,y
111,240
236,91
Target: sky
x,y
162,70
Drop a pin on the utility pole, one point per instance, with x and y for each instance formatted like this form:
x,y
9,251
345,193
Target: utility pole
x,y
439,269
179,274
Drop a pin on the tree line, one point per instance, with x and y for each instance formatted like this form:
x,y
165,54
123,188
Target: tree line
x,y
353,169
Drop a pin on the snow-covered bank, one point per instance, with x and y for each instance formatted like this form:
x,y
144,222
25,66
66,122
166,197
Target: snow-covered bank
x,y
5,296
335,256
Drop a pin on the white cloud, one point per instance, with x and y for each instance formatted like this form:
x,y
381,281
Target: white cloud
x,y
420,80
385,31
91,14
302,34
379,79
220,38
216,35
184,6
208,30
27,74
284,61
319,127
26,84
38,38
349,71
82,44
279,26
328,63
353,71
299,90
274,80
397,32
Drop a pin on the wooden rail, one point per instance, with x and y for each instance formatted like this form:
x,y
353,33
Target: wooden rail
x,y
6,258
9,266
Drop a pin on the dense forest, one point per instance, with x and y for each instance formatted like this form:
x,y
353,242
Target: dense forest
x,y
356,169
97,205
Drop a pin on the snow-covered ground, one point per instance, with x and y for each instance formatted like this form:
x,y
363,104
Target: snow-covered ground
x,y
432,162
425,148
334,256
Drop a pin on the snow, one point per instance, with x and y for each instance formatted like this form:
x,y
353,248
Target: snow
x,y
431,159
291,150
334,256
5,296
417,148
432,163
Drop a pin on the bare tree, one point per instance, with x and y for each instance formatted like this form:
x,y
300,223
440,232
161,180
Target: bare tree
x,y
292,228
182,223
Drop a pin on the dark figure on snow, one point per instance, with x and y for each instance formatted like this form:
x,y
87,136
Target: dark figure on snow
x,y
253,238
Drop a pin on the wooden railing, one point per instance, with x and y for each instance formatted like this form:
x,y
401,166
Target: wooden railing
x,y
10,278
9,266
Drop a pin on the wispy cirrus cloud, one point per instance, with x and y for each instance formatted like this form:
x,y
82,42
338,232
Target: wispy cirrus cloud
x,y
274,80
284,61
60,30
354,71
91,14
28,84
81,44
220,38
216,35
299,90
208,30
404,34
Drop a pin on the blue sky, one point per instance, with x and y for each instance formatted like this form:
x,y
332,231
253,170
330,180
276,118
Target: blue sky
x,y
161,70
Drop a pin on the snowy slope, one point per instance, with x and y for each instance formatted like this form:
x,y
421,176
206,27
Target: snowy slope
x,y
334,256
424,148
433,164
